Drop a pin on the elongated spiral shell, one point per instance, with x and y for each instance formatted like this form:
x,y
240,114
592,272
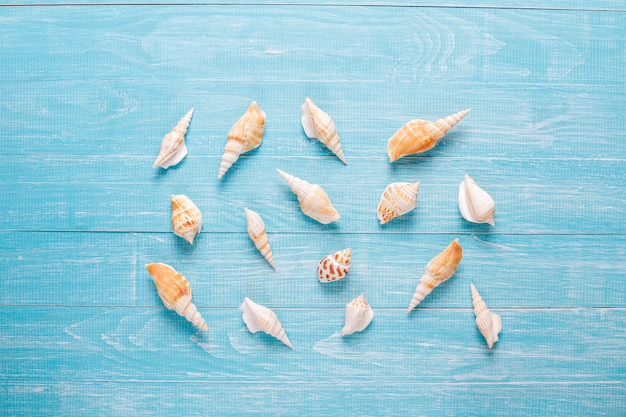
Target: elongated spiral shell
x,y
186,218
398,198
419,136
489,324
334,267
438,270
175,292
359,315
314,201
475,204
173,148
256,231
319,125
245,135
258,317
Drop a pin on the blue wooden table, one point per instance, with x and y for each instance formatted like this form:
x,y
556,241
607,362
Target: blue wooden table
x,y
87,91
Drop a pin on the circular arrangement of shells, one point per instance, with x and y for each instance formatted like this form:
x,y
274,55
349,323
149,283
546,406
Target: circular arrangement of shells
x,y
398,198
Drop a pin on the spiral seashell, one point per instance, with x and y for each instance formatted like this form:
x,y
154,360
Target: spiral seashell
x,y
319,125
173,148
186,218
258,317
334,267
314,201
489,324
398,198
419,136
475,204
256,231
245,135
438,270
175,292
359,315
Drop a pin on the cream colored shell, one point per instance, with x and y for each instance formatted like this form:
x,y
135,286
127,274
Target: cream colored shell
x,y
319,125
186,218
489,324
334,267
258,235
359,315
314,201
475,204
258,317
173,148
398,198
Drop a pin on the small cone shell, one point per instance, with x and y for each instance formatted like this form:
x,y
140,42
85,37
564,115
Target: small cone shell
x,y
314,201
334,267
359,315
489,324
258,317
186,218
245,135
475,204
256,231
173,148
398,198
419,136
175,292
319,125
438,270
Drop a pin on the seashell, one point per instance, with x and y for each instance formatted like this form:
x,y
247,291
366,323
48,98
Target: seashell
x,y
256,231
245,135
420,136
475,204
334,267
489,324
319,125
314,201
359,315
398,198
173,148
258,317
186,218
175,292
438,270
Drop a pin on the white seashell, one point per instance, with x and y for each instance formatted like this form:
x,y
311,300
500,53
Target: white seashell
x,y
186,218
438,270
359,315
489,324
334,267
319,125
245,135
173,148
175,292
314,201
475,204
256,231
258,317
398,198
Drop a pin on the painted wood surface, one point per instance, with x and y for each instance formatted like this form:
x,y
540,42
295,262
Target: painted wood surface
x,y
87,94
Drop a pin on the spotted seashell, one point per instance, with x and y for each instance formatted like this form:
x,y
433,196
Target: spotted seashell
x,y
256,231
475,204
186,218
359,315
489,324
398,198
334,267
258,317
173,148
319,125
314,201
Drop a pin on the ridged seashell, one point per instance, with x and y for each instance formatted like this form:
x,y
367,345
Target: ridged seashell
x,y
438,270
256,231
334,267
489,324
175,292
398,198
475,204
173,148
319,125
186,218
245,135
314,201
258,317
419,136
359,315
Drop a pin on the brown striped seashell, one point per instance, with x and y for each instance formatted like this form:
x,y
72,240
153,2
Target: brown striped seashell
x,y
186,218
319,125
258,317
489,324
359,315
334,267
314,201
398,198
475,204
256,231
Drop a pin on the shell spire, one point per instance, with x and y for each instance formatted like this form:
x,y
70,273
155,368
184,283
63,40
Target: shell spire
x,y
258,235
173,148
398,198
438,270
359,315
258,317
319,125
175,292
419,136
489,324
186,218
334,267
314,201
475,204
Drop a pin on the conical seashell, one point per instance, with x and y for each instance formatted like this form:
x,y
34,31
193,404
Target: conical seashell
x,y
314,201
398,198
175,292
256,231
334,267
419,136
438,270
475,204
489,324
319,125
359,315
173,148
245,135
186,218
258,317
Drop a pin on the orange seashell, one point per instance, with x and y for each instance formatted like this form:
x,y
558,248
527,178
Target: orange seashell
x,y
258,235
319,125
314,201
398,198
186,218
